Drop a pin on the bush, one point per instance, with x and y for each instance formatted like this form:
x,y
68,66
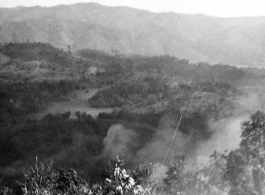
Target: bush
x,y
42,179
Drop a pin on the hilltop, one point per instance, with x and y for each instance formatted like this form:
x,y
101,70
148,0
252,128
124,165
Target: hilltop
x,y
40,61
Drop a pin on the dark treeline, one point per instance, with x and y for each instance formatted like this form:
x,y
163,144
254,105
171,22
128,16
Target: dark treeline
x,y
156,94
106,69
37,51
71,140
77,140
19,99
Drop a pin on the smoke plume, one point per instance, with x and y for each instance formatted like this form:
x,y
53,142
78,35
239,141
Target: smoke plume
x,y
119,142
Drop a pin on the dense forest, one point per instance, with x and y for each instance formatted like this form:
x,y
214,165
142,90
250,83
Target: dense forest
x,y
152,100
234,172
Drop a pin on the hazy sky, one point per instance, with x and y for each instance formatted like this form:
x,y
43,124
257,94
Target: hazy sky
x,y
223,8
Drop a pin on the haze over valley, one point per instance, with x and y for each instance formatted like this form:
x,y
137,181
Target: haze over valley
x,y
177,100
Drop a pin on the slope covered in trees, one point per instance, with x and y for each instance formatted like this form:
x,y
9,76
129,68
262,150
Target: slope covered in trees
x,y
148,96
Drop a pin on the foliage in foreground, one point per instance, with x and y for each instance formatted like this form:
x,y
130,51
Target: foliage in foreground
x,y
43,180
238,172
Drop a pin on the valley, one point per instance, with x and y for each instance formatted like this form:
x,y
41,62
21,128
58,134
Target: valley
x,y
87,111
129,102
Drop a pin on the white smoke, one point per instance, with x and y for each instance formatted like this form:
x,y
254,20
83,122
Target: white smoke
x,y
119,142
226,137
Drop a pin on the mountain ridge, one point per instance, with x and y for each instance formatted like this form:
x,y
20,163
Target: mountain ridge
x,y
237,41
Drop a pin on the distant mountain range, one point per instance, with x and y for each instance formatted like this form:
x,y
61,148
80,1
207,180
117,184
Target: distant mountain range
x,y
238,41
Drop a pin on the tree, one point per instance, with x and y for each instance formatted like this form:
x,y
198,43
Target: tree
x,y
236,174
245,166
253,137
252,146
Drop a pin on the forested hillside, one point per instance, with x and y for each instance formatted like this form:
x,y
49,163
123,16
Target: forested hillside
x,y
147,97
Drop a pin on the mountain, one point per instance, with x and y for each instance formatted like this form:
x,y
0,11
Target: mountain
x,y
237,41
